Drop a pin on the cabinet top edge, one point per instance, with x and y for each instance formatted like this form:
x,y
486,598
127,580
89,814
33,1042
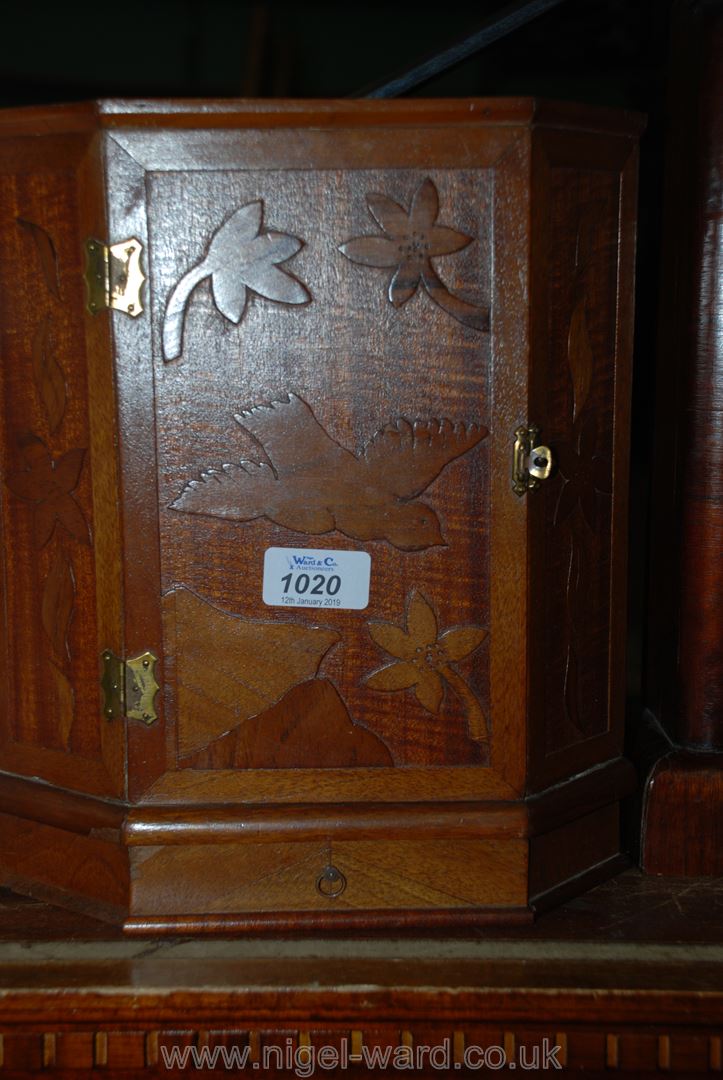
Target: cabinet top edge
x,y
112,113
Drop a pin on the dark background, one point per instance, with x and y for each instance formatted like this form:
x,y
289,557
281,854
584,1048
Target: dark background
x,y
610,52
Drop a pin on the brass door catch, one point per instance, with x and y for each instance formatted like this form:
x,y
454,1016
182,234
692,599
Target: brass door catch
x,y
531,462
113,276
129,686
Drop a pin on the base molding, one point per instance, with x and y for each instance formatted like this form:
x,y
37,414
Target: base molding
x,y
244,868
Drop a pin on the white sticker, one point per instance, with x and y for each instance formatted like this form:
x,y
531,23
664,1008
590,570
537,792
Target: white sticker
x,y
297,577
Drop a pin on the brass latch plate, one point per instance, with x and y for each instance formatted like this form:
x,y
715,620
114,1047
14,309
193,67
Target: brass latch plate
x,y
531,461
129,686
113,276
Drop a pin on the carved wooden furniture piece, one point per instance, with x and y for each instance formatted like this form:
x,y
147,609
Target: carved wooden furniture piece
x,y
314,448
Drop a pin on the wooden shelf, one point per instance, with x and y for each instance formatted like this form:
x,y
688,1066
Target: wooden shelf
x,y
628,977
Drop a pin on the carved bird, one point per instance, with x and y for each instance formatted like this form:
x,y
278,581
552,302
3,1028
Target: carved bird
x,y
313,485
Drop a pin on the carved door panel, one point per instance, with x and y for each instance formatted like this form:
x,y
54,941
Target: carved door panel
x,y
317,376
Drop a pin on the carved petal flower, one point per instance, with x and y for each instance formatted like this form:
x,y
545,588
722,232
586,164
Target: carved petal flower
x,y
425,660
48,483
411,241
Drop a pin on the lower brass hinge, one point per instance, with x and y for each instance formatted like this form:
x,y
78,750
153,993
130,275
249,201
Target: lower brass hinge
x,y
113,276
129,686
530,463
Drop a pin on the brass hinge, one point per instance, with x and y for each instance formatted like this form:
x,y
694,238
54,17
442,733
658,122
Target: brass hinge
x,y
531,463
113,276
129,686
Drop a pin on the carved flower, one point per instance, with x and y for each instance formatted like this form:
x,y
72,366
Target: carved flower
x,y
585,473
240,257
48,484
411,240
425,658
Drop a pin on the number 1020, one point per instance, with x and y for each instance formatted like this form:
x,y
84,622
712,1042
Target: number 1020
x,y
316,586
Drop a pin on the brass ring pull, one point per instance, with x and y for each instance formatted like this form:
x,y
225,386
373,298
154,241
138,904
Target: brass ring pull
x,y
331,882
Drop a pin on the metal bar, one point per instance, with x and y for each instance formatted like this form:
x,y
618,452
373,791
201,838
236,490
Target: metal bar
x,y
497,26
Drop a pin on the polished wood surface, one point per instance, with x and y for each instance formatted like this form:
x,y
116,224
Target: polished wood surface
x,y
626,980
349,311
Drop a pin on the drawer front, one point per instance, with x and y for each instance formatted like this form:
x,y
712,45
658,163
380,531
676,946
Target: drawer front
x,y
319,876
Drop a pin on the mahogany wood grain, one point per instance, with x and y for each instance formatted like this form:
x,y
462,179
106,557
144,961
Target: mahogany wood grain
x,y
52,701
349,310
626,982
183,824
683,822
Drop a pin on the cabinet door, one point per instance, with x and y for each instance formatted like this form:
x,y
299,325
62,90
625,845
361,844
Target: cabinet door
x,y
61,596
317,419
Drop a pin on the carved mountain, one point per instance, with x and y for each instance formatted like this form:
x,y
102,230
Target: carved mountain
x,y
313,485
229,669
310,728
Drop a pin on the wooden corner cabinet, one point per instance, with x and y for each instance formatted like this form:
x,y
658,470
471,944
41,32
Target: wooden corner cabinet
x,y
314,434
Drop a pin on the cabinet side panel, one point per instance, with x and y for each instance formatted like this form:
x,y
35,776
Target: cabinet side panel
x,y
580,389
51,723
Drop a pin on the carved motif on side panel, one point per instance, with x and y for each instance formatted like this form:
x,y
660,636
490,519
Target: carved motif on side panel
x,y
48,483
425,661
46,253
48,376
56,613
313,485
242,257
409,241
586,477
58,603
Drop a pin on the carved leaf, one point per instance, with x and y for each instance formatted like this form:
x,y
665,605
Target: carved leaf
x,y
58,603
579,357
236,231
309,728
230,295
49,377
230,669
239,256
62,705
47,254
